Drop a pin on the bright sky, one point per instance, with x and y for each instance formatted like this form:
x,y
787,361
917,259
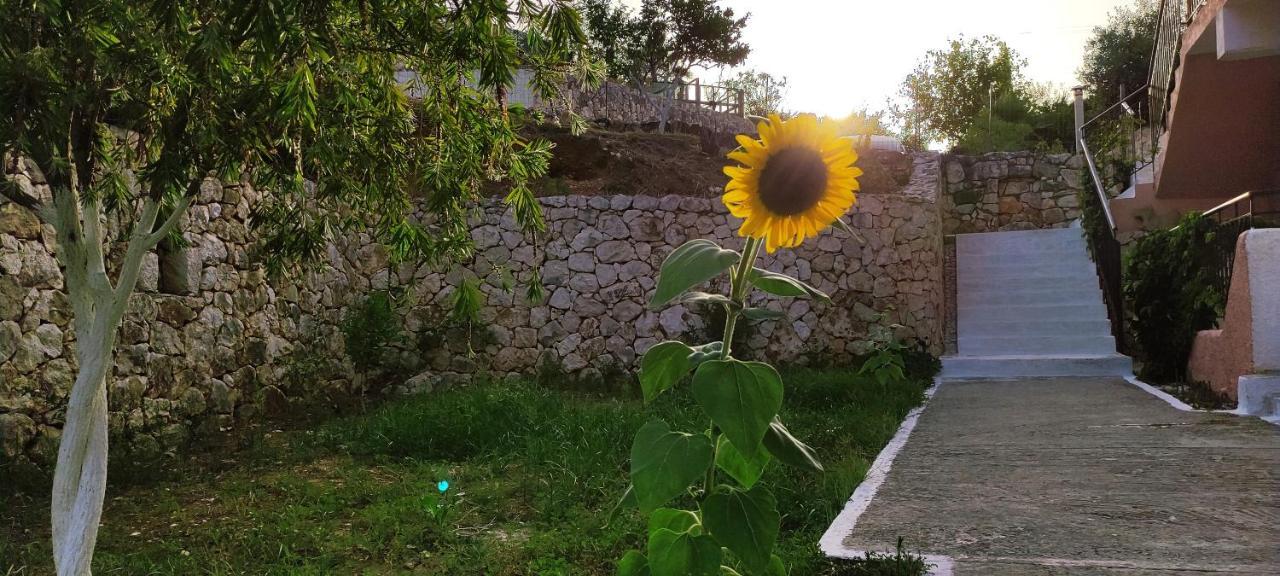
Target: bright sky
x,y
839,55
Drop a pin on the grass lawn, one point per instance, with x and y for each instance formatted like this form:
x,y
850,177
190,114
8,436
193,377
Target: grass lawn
x,y
533,475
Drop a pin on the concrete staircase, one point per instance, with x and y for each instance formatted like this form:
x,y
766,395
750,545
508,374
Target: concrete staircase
x,y
1029,304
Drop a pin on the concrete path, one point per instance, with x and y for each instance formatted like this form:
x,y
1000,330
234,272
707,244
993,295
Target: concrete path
x,y
1074,476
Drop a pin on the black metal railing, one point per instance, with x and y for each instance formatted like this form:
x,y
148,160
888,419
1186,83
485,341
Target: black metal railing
x,y
1105,248
1123,140
1164,56
1254,209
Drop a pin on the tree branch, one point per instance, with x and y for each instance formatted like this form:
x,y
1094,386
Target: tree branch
x,y
93,248
139,245
178,210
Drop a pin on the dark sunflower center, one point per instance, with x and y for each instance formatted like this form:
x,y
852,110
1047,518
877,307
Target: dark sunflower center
x,y
793,181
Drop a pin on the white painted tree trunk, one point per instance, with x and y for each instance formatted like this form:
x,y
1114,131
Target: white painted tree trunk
x,y
80,479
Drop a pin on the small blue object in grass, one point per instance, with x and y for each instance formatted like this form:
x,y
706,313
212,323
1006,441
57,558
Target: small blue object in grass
x,y
442,485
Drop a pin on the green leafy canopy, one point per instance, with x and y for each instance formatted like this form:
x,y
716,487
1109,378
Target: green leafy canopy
x,y
340,115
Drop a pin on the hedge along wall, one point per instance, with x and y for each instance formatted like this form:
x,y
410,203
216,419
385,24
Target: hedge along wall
x,y
1011,191
209,341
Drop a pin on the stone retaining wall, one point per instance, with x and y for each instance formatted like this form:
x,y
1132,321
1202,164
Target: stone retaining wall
x,y
209,341
1011,191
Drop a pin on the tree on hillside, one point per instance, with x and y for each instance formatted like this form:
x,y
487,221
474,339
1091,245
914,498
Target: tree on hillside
x,y
655,47
1032,117
950,88
762,92
127,107
1118,54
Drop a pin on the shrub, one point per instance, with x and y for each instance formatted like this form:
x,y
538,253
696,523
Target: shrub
x,y
369,329
1171,293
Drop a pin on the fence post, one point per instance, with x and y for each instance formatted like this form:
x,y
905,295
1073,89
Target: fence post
x,y
1079,94
742,105
697,91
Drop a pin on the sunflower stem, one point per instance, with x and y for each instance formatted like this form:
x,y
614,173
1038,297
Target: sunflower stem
x,y
738,283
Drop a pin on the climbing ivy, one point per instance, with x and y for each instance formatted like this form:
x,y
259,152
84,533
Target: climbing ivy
x,y
1171,293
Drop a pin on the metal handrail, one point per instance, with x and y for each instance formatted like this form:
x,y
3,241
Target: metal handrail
x,y
1223,206
1119,103
1097,185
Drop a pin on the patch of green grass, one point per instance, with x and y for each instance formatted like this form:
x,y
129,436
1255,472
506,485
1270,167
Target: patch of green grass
x,y
533,474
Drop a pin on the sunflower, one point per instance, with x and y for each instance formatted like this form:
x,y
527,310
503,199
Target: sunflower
x,y
793,182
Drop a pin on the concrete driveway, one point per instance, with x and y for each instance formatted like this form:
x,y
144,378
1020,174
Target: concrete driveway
x,y
1073,476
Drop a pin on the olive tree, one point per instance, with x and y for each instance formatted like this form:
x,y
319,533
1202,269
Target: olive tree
x,y
126,107
949,88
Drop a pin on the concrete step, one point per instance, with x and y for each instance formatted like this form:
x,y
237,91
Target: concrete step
x,y
1026,260
1029,304
976,328
1020,248
1045,312
1025,282
1060,268
1010,296
1073,344
1022,366
1025,241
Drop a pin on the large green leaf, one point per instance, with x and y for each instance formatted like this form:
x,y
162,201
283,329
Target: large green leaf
x,y
787,449
683,554
662,366
633,563
745,469
741,398
693,263
776,567
675,521
705,352
744,522
783,285
708,299
664,463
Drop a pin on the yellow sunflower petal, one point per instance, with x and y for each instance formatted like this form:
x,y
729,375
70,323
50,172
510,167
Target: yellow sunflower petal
x,y
742,193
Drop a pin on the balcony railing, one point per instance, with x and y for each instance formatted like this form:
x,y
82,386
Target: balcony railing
x,y
1254,209
718,98
1164,57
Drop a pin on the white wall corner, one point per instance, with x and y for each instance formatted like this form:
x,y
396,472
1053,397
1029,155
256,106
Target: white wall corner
x,y
1248,29
1262,255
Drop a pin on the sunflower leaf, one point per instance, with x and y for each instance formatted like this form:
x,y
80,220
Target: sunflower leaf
x,y
705,298
664,463
783,285
633,563
745,469
741,398
693,263
745,522
662,366
788,449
